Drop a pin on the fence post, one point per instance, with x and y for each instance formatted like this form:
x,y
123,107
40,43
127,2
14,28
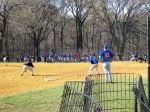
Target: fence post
x,y
148,37
87,91
136,104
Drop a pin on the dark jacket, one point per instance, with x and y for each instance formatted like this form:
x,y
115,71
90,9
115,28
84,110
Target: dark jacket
x,y
29,64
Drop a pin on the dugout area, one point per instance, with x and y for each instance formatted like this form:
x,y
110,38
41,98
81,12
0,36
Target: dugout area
x,y
126,94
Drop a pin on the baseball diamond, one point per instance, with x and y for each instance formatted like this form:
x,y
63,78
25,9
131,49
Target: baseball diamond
x,y
12,83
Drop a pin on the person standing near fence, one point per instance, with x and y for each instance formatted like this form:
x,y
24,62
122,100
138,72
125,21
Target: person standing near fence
x,y
106,57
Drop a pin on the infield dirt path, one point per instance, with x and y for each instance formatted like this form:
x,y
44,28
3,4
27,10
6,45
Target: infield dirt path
x,y
53,74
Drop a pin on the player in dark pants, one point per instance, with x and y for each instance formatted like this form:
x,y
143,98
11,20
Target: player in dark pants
x,y
145,57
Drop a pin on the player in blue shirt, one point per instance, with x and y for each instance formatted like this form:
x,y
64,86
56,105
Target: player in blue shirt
x,y
94,63
51,57
42,57
133,57
106,57
25,57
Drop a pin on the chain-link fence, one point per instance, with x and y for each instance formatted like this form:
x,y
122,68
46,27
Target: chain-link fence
x,y
75,100
142,104
125,94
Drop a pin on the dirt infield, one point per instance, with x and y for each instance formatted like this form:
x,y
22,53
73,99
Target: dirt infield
x,y
52,74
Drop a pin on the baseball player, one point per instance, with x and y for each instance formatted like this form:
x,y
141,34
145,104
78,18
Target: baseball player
x,y
94,63
145,57
71,57
28,66
5,58
83,57
42,57
87,57
106,57
134,57
68,57
51,57
25,57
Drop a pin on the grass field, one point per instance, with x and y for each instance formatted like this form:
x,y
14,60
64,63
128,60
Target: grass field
x,y
33,94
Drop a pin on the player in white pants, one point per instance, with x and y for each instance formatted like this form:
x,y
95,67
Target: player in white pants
x,y
106,57
5,60
28,66
94,63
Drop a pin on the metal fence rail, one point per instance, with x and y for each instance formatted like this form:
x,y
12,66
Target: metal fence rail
x,y
95,95
142,105
74,99
115,97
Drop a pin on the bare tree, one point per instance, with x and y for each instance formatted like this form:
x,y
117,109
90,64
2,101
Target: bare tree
x,y
120,18
63,20
35,21
6,8
80,10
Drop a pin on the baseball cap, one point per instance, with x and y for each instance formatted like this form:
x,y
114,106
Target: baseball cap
x,y
91,56
105,47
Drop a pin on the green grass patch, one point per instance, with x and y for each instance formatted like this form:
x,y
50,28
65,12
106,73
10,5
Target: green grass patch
x,y
46,100
118,95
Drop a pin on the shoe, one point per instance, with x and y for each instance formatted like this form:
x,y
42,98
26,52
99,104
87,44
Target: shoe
x,y
21,74
111,82
32,74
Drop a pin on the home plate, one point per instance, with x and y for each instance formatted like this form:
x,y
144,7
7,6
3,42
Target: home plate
x,y
48,79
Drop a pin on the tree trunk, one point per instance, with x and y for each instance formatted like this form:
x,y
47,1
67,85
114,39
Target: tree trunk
x,y
61,39
37,51
54,40
1,40
79,36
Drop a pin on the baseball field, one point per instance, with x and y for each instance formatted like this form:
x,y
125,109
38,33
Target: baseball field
x,y
53,75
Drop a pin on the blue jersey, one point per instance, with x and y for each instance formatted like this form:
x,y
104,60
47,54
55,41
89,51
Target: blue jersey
x,y
51,55
93,61
42,55
25,55
106,55
133,55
